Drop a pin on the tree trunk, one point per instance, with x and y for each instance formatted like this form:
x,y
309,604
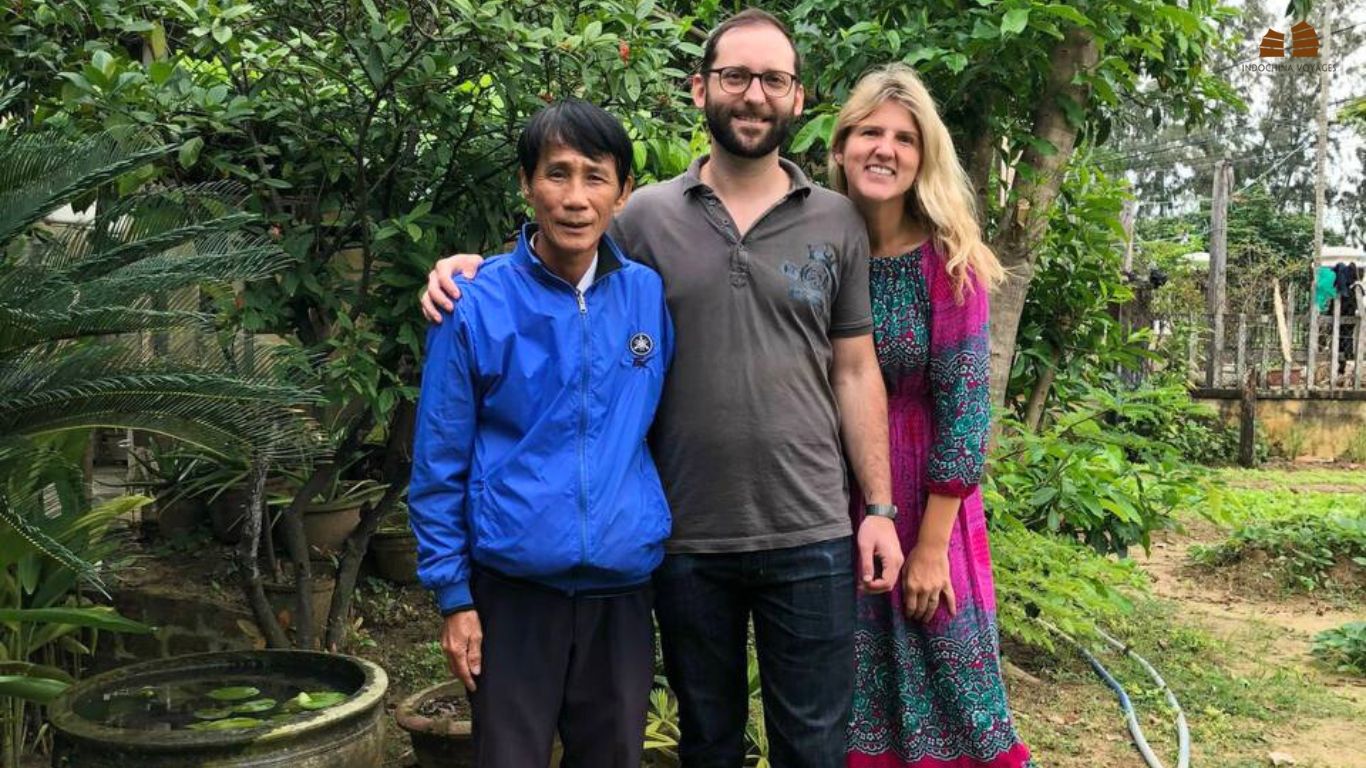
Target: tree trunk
x,y
398,462
249,568
357,414
1039,397
1025,218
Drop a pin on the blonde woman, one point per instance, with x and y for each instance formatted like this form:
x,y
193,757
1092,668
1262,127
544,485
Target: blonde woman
x,y
928,690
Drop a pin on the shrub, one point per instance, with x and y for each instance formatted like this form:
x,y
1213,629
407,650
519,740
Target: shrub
x,y
1040,576
1093,475
1343,647
1305,545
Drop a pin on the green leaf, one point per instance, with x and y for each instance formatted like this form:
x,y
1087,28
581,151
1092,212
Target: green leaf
x,y
955,62
1067,12
817,128
318,700
160,71
104,62
254,707
156,38
230,724
40,690
1015,21
189,152
235,11
95,618
222,34
234,693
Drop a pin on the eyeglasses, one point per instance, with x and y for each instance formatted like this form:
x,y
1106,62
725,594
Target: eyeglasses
x,y
776,83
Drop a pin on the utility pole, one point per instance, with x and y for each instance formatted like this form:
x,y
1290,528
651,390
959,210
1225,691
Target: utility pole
x,y
1320,179
1218,266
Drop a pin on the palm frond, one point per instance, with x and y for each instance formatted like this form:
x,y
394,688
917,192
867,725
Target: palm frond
x,y
39,173
45,544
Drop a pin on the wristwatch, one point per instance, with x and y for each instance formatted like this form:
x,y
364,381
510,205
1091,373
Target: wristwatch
x,y
880,510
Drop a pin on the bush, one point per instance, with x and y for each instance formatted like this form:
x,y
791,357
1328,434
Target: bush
x,y
1343,647
1044,577
1305,544
1093,475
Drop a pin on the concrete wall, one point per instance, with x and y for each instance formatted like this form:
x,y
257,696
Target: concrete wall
x,y
1322,427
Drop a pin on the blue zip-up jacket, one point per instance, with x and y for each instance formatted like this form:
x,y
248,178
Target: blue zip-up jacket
x,y
529,457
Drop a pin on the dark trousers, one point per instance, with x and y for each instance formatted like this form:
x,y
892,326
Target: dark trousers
x,y
802,600
581,665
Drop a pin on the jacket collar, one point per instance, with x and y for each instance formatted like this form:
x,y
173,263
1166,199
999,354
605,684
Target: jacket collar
x,y
610,257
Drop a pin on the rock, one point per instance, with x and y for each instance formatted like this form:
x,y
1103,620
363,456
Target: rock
x,y
1281,758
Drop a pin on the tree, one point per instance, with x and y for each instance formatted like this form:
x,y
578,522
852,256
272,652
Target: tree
x,y
1023,84
373,136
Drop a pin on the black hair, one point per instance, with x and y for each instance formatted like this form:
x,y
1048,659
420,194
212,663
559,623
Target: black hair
x,y
579,125
748,18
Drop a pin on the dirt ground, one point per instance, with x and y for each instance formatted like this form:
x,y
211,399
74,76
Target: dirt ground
x,y
1257,642
1262,638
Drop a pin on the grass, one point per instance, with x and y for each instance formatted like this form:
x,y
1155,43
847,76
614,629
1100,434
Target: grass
x,y
1243,677
1303,542
1293,478
1233,700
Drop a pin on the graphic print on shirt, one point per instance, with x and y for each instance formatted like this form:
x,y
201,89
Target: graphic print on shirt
x,y
813,281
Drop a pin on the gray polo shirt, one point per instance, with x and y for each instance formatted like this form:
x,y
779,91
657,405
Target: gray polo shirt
x,y
747,434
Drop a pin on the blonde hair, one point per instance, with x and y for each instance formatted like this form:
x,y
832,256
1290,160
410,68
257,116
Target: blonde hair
x,y
941,195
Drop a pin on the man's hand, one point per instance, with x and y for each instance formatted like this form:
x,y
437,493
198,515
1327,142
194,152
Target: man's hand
x,y
462,639
441,291
877,541
926,582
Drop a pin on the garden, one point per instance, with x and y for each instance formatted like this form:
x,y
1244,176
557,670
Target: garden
x,y
215,220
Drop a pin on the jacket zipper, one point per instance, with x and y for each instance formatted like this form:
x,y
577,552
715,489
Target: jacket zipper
x,y
586,368
583,430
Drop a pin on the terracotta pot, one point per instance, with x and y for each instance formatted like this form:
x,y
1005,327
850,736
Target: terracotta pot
x,y
327,525
282,601
394,552
226,511
443,742
179,518
438,742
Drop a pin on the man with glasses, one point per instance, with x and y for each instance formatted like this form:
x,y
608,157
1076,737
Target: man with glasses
x,y
774,373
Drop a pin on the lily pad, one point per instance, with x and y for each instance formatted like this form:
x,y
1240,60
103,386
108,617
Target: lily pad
x,y
254,707
213,714
316,700
230,724
234,693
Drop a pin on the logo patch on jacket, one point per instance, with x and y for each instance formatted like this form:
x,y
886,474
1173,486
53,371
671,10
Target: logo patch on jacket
x,y
641,346
813,281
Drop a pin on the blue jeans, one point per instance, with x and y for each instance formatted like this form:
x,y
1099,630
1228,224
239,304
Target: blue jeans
x,y
802,601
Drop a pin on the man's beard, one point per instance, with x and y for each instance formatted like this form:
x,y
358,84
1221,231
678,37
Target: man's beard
x,y
719,122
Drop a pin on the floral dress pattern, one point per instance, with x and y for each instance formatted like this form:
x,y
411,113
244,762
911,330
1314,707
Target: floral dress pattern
x,y
931,694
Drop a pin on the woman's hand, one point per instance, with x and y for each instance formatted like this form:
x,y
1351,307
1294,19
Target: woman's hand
x,y
925,582
441,290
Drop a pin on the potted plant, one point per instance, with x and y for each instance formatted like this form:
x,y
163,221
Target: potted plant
x,y
437,720
169,473
334,512
393,548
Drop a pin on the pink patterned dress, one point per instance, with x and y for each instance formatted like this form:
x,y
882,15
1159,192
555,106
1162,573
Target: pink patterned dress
x,y
932,695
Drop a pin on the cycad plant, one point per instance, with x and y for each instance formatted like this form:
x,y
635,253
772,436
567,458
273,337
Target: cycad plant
x,y
101,325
